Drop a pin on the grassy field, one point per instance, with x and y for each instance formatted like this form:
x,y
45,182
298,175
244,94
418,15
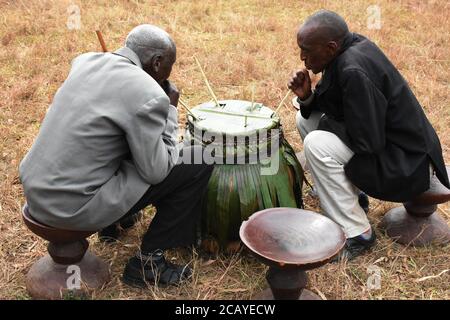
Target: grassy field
x,y
241,44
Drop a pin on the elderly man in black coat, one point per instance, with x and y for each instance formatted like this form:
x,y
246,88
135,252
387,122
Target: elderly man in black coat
x,y
362,126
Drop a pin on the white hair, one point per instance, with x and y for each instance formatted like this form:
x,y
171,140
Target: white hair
x,y
147,40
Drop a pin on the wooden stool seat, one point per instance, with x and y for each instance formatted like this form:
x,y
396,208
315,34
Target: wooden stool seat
x,y
52,234
68,268
436,194
418,223
291,241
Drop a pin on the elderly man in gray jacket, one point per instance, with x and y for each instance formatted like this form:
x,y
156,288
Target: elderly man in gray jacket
x,y
107,148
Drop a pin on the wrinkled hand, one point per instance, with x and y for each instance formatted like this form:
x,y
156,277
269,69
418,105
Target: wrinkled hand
x,y
172,92
300,84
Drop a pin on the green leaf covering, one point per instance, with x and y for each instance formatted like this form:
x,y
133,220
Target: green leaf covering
x,y
237,191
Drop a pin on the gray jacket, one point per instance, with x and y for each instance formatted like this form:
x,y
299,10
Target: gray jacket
x,y
109,134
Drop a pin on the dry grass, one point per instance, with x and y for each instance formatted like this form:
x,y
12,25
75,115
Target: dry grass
x,y
240,43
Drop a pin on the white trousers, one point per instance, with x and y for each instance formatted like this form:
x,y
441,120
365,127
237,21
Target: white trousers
x,y
326,156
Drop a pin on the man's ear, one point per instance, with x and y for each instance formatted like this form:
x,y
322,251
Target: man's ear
x,y
332,47
156,63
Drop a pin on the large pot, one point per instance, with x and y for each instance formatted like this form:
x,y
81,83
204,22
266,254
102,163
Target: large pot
x,y
255,167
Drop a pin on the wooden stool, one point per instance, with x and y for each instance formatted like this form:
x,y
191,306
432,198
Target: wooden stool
x,y
417,222
68,268
291,241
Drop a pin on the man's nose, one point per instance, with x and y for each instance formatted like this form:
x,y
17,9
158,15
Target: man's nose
x,y
302,56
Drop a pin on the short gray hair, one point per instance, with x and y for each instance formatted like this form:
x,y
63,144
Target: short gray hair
x,y
147,40
333,25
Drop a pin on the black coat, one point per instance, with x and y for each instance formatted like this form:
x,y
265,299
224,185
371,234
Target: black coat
x,y
369,106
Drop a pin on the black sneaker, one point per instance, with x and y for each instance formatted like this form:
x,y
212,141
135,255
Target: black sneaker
x,y
363,200
154,270
113,232
355,247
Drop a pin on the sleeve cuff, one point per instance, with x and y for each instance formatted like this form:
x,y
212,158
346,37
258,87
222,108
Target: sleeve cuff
x,y
307,101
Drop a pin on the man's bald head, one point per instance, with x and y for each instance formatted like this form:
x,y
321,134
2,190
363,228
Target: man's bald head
x,y
326,25
320,38
155,48
146,40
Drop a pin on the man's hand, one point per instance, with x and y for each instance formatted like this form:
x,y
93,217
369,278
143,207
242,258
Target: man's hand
x,y
171,91
300,84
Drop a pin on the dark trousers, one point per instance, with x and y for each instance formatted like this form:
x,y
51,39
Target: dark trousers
x,y
178,203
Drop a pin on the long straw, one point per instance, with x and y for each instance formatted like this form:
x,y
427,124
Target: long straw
x,y
282,102
183,104
102,42
207,82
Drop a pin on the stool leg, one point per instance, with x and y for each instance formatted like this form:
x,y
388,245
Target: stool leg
x,y
415,227
286,284
69,270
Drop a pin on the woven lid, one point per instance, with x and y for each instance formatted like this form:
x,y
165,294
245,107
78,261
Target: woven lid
x,y
235,129
233,117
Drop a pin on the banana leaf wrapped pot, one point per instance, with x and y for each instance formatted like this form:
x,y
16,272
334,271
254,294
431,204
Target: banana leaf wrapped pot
x,y
255,167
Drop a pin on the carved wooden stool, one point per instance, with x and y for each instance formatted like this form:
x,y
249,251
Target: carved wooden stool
x,y
417,222
291,241
68,269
